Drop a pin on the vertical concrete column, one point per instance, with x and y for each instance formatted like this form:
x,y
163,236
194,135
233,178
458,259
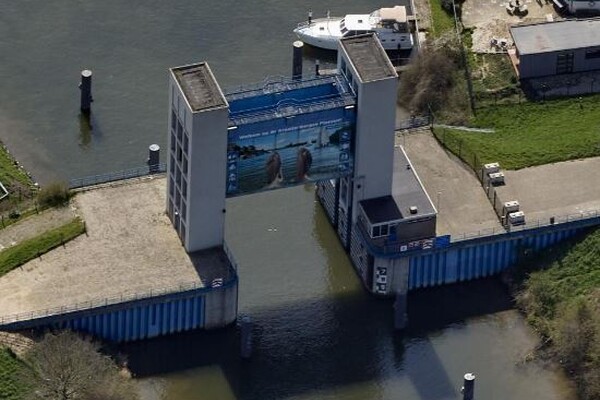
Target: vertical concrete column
x,y
297,60
246,337
399,283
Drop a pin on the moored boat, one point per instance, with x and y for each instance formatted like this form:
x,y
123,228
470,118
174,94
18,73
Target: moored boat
x,y
390,24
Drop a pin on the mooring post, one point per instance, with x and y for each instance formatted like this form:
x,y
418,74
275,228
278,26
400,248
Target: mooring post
x,y
468,389
246,337
297,60
153,158
309,17
400,315
317,73
86,90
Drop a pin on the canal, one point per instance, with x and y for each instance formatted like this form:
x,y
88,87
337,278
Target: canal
x,y
317,334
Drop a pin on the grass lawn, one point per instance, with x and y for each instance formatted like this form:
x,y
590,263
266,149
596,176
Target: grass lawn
x,y
19,254
441,21
530,134
10,387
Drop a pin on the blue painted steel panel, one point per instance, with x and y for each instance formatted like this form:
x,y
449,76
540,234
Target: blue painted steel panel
x,y
468,260
140,321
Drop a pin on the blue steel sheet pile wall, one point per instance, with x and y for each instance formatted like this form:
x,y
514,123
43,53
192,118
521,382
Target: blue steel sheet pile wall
x,y
144,318
473,259
143,321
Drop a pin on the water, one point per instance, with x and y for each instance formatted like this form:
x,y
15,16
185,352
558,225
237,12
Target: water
x,y
317,334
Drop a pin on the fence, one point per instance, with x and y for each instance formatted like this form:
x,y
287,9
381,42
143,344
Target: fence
x,y
108,301
589,218
414,122
117,176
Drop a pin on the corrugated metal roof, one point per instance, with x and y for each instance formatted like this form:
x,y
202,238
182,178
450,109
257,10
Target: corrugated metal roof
x,y
556,36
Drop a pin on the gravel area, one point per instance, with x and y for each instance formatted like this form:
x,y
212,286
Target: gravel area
x,y
462,205
130,247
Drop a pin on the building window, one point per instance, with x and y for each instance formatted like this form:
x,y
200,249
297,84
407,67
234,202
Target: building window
x,y
564,63
375,232
185,166
186,142
173,120
184,187
179,154
344,191
179,130
173,142
595,53
183,209
384,230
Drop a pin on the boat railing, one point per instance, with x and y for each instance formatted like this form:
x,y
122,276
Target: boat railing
x,y
305,24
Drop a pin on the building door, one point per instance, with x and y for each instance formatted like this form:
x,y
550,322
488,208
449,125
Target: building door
x,y
564,63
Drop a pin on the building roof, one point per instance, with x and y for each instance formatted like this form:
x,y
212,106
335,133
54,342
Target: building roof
x,y
407,188
381,209
556,36
199,86
407,192
368,57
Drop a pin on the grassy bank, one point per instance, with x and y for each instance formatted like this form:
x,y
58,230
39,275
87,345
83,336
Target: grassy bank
x,y
441,21
561,300
10,172
531,134
19,254
10,387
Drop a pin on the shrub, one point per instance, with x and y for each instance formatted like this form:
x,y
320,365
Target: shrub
x,y
54,195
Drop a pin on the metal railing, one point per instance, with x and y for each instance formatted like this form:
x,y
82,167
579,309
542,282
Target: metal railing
x,y
108,301
386,247
414,122
117,176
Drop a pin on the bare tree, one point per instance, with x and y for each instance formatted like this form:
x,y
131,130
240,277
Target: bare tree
x,y
64,366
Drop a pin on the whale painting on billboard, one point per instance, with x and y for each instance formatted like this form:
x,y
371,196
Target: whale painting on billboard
x,y
288,156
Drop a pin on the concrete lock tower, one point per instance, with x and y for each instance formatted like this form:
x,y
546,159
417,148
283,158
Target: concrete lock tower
x,y
197,142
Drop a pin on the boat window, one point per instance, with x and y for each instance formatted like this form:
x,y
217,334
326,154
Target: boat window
x,y
383,40
322,28
360,21
393,40
344,30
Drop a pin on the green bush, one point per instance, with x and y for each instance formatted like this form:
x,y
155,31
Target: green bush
x,y
54,195
561,299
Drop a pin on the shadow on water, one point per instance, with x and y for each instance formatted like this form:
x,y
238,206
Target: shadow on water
x,y
341,337
324,343
89,130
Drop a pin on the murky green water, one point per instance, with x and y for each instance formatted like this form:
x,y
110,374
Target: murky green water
x,y
317,334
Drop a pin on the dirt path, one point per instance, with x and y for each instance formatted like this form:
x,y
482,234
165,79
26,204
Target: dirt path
x,y
35,225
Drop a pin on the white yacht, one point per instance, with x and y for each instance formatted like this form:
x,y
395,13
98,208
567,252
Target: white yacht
x,y
389,24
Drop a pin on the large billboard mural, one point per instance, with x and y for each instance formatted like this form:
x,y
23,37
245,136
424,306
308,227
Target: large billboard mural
x,y
263,159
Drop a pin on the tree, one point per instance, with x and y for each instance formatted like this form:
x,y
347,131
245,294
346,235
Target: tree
x,y
64,366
